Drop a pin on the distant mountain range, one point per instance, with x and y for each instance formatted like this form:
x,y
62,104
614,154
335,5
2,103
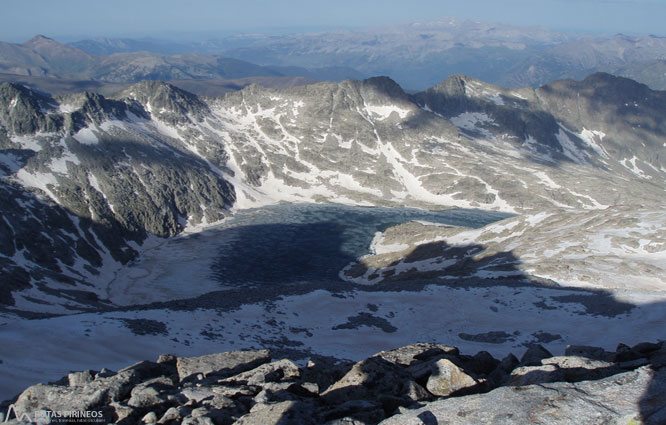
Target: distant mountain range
x,y
419,55
45,57
642,58
416,55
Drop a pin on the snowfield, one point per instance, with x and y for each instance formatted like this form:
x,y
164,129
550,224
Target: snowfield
x,y
332,324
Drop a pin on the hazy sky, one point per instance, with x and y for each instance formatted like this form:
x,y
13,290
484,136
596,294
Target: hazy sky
x,y
68,20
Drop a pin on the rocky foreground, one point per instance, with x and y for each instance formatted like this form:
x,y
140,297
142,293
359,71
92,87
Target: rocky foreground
x,y
415,384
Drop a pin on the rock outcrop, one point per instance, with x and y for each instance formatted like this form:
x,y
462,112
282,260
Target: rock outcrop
x,y
416,384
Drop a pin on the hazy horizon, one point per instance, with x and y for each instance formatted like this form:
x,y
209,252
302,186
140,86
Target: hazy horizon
x,y
201,19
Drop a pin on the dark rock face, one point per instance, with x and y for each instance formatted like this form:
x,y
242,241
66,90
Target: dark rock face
x,y
245,387
22,111
534,355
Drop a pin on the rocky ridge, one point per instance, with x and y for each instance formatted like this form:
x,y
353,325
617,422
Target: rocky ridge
x,y
593,242
419,383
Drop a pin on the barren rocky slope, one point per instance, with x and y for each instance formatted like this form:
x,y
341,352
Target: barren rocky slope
x,y
74,226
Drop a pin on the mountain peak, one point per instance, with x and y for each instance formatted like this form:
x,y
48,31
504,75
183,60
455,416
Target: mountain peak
x,y
55,52
384,86
605,77
39,39
163,98
378,89
455,85
12,87
153,89
383,82
12,90
24,111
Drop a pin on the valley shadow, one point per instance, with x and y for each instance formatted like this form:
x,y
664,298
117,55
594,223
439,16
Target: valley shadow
x,y
279,260
375,395
282,253
465,266
282,259
58,86
267,262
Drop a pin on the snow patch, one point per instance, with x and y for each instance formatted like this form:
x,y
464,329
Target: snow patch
x,y
27,142
86,136
377,246
296,106
571,151
593,139
470,120
630,164
384,111
67,108
348,182
38,180
535,219
59,165
546,180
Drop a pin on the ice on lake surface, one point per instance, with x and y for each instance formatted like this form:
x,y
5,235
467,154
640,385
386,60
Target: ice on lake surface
x,y
276,244
305,242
